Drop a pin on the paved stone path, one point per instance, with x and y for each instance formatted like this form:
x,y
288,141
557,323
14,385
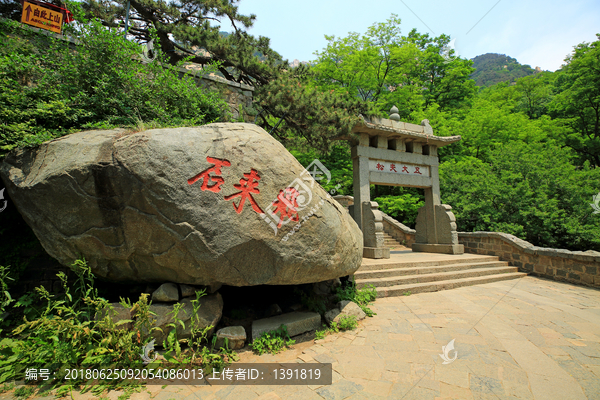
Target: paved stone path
x,y
522,339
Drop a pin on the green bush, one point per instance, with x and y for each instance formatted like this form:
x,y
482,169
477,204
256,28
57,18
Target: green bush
x,y
49,88
403,208
347,323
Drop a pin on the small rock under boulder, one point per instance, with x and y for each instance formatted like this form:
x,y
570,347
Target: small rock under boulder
x,y
274,310
235,335
187,291
344,308
167,292
295,322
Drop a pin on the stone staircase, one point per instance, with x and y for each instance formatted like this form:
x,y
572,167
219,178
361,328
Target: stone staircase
x,y
407,272
392,243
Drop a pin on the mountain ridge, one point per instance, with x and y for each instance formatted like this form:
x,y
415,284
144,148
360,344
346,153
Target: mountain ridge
x,y
492,68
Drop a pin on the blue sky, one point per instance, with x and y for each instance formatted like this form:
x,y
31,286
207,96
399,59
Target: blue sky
x,y
538,33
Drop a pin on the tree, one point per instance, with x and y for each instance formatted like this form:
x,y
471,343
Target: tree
x,y
386,68
446,81
365,65
184,30
536,93
578,100
532,191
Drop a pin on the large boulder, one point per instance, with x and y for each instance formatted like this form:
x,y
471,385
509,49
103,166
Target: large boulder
x,y
208,205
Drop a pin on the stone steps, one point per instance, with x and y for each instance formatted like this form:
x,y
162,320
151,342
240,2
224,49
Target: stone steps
x,y
400,290
440,276
422,272
390,242
412,262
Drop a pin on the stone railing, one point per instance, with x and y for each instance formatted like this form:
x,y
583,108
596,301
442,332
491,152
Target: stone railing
x,y
562,265
398,231
395,229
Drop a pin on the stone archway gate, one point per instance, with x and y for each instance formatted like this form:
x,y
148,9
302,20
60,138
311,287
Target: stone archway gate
x,y
394,153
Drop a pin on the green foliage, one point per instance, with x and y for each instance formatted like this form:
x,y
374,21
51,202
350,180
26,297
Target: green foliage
x,y
339,163
347,323
316,116
362,297
578,101
386,68
321,333
24,392
532,191
5,297
97,83
272,342
403,208
182,26
6,387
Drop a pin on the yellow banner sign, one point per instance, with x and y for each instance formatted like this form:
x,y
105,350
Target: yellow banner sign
x,y
41,17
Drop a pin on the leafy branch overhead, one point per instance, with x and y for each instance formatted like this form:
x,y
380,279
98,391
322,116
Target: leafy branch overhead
x,y
191,28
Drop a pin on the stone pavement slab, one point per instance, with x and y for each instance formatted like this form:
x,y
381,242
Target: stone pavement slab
x,y
522,339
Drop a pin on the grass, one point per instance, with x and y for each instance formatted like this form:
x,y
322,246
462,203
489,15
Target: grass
x,y
362,297
273,341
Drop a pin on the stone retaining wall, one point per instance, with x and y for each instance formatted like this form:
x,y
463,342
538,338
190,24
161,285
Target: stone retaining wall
x,y
561,265
237,95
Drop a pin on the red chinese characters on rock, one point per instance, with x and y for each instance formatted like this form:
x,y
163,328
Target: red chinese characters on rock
x,y
379,167
287,205
206,178
417,171
405,169
393,168
246,186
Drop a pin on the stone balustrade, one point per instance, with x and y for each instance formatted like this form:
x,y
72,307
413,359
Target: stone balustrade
x,y
562,265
